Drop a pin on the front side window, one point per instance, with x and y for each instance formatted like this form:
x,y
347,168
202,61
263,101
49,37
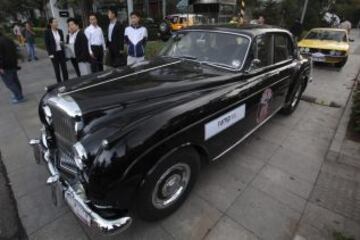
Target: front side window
x,y
282,48
221,49
263,50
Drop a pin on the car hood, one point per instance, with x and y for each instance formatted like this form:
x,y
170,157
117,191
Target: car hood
x,y
121,97
324,44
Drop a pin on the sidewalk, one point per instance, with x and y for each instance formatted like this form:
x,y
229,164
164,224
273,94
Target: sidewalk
x,y
274,186
334,204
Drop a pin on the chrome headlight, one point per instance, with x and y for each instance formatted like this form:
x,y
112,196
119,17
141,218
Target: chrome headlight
x,y
336,53
80,155
48,115
304,50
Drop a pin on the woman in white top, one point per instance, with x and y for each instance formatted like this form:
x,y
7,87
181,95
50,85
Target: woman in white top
x,y
54,42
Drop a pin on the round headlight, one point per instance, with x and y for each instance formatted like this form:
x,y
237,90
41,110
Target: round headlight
x,y
338,53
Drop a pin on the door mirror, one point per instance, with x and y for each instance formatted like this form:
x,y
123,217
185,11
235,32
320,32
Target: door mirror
x,y
255,64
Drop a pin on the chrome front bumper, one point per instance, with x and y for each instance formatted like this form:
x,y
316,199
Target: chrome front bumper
x,y
75,196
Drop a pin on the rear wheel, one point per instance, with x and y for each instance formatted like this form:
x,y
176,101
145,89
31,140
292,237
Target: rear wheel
x,y
294,99
168,185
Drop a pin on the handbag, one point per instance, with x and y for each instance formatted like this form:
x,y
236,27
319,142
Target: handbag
x,y
69,51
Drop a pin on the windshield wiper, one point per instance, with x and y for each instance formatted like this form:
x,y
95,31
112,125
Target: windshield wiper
x,y
213,64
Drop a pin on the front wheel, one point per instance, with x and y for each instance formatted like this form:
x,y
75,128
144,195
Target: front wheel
x,y
295,99
168,185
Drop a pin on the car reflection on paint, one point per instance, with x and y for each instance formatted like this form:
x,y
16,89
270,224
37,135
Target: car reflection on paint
x,y
134,138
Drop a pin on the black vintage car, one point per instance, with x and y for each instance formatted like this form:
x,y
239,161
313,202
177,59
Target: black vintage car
x,y
135,138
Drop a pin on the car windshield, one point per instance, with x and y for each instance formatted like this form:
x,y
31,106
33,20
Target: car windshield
x,y
327,35
213,48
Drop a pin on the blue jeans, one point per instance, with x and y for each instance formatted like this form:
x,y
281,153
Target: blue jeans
x,y
12,82
31,51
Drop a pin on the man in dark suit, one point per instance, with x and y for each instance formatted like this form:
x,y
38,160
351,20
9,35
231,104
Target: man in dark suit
x,y
54,42
115,40
79,42
9,67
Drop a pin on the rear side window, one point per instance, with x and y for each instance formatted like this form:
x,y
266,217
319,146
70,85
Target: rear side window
x,y
282,48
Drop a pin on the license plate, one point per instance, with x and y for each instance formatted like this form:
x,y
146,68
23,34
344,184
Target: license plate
x,y
318,59
77,208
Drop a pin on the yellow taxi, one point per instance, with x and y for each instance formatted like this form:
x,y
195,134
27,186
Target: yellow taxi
x,y
180,21
328,45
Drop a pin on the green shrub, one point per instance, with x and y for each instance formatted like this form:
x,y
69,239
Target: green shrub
x,y
153,48
341,236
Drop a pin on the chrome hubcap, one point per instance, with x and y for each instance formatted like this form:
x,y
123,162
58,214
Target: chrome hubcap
x,y
171,185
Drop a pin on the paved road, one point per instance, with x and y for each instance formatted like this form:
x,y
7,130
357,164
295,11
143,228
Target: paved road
x,y
263,189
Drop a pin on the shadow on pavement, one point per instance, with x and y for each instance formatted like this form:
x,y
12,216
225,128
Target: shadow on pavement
x,y
10,225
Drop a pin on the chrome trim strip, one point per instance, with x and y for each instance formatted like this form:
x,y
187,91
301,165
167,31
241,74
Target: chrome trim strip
x,y
247,135
118,78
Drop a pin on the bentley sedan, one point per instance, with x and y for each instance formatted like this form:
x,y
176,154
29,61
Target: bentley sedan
x,y
133,139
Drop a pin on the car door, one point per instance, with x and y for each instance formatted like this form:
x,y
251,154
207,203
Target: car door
x,y
267,85
254,103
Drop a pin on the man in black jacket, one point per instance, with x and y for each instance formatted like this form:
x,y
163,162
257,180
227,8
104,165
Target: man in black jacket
x,y
79,42
115,40
9,67
54,42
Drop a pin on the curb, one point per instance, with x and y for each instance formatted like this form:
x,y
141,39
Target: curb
x,y
318,101
334,151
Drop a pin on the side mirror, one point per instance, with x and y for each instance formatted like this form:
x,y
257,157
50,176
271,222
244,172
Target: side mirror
x,y
255,64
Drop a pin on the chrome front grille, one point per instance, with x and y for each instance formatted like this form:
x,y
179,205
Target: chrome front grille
x,y
64,125
323,51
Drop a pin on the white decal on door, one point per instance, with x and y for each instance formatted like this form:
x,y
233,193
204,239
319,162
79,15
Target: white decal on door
x,y
224,121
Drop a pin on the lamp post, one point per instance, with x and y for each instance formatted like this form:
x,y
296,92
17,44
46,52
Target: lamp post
x,y
304,10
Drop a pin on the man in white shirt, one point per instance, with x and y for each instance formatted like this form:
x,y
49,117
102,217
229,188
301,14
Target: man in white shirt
x,y
97,44
135,37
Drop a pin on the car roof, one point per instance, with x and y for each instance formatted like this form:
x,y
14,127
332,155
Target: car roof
x,y
329,29
251,30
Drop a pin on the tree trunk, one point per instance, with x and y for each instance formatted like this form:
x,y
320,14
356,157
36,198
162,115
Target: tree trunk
x,y
85,6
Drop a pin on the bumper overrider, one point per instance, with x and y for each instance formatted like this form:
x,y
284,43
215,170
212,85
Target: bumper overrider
x,y
74,196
